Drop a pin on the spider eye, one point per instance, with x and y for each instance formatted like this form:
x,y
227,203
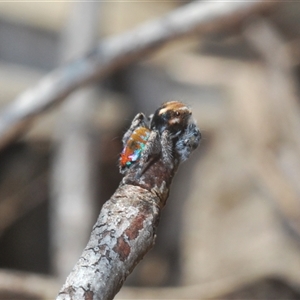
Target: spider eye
x,y
177,113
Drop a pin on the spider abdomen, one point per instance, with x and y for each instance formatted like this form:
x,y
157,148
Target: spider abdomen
x,y
134,147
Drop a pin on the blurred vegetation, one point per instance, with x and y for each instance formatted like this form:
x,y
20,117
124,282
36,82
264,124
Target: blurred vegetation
x,y
231,229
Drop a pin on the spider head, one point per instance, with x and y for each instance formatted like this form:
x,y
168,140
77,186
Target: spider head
x,y
173,116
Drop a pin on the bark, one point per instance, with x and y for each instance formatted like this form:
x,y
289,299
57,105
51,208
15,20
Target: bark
x,y
122,235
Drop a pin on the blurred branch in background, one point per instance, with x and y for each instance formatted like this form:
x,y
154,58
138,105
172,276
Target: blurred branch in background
x,y
242,192
115,52
73,180
21,285
276,155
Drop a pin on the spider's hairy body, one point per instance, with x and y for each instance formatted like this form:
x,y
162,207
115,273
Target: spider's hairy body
x,y
170,133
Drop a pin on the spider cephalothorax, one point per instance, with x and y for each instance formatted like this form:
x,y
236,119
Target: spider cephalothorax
x,y
172,116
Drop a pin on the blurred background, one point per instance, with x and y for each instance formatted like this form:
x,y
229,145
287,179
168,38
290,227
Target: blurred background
x,y
231,227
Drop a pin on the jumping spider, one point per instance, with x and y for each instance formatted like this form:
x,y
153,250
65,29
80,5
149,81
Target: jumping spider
x,y
170,131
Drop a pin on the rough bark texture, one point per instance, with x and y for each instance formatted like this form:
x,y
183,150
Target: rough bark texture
x,y
122,235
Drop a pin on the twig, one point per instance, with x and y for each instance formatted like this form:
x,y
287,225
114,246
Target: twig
x,y
123,233
115,52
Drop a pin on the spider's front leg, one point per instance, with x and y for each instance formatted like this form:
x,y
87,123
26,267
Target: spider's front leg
x,y
152,148
167,148
138,121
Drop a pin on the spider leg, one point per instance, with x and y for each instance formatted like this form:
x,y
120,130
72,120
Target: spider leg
x,y
138,121
188,142
152,148
167,148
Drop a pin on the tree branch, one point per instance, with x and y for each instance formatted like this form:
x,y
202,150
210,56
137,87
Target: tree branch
x,y
122,235
115,52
